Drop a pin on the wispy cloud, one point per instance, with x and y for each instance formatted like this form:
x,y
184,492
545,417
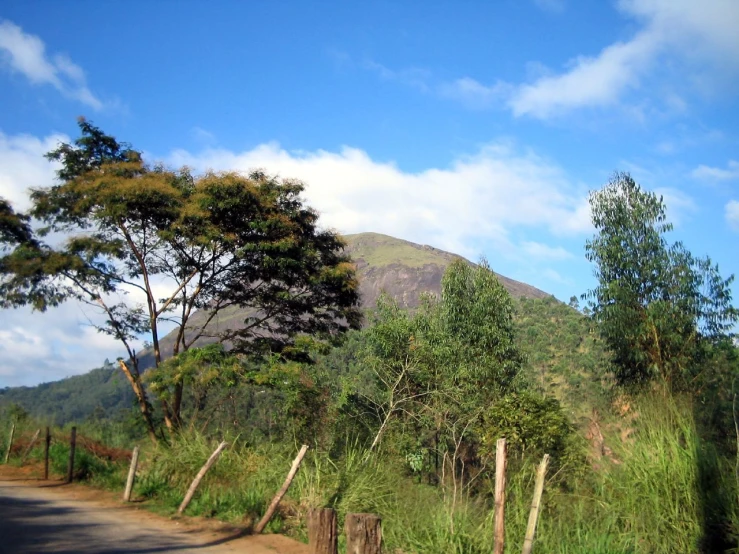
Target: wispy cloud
x,y
592,81
544,251
555,277
697,39
202,136
413,76
707,173
732,214
699,36
474,94
24,53
479,199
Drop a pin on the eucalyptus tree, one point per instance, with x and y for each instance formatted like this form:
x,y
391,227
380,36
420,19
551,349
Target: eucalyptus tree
x,y
180,243
656,304
442,367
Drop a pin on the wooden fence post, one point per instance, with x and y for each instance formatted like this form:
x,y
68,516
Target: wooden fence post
x,y
131,474
199,477
499,515
322,531
528,542
286,485
10,443
363,534
72,446
28,449
46,454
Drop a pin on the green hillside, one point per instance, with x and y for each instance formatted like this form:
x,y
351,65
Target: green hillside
x,y
563,356
376,249
561,351
103,391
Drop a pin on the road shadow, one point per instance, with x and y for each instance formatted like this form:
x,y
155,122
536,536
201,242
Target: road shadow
x,y
30,525
717,442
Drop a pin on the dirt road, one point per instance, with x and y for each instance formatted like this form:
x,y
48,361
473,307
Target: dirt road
x,y
40,517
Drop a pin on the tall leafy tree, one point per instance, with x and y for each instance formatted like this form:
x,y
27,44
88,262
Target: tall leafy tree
x,y
656,304
440,368
211,242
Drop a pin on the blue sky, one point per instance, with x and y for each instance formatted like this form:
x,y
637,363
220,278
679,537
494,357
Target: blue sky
x,y
477,127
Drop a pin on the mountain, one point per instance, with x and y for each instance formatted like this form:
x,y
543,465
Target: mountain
x,y
401,268
405,269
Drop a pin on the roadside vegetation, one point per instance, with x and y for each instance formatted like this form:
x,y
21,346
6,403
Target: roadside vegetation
x,y
633,397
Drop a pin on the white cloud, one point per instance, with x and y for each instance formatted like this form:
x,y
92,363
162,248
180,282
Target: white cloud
x,y
26,54
555,277
732,214
478,198
708,173
414,77
202,136
23,166
592,81
538,250
699,38
45,347
474,94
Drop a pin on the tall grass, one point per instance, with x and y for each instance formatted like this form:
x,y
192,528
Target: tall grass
x,y
662,490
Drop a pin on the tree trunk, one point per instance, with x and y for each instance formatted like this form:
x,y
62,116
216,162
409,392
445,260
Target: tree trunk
x,y
363,534
379,434
140,393
322,531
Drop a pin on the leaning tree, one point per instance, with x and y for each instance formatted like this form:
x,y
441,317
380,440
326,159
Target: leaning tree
x,y
144,244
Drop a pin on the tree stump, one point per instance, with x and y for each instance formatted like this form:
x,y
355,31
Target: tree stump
x,y
363,534
322,531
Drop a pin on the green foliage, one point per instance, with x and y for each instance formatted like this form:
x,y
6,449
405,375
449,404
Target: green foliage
x,y
443,364
655,303
476,337
199,369
87,466
565,356
14,227
75,398
16,413
533,425
222,239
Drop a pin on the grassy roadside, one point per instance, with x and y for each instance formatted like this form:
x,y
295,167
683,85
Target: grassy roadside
x,y
652,489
